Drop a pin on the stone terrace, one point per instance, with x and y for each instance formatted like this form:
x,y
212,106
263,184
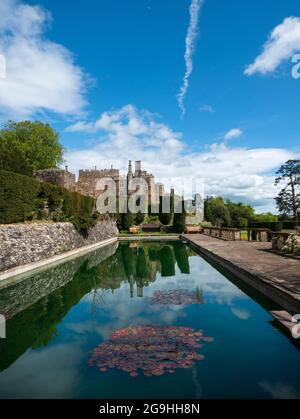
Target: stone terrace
x,y
275,276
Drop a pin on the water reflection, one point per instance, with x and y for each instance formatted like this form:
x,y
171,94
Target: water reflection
x,y
37,305
143,262
143,291
177,297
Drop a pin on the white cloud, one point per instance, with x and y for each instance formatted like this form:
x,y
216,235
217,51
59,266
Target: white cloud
x,y
280,390
60,364
233,133
241,313
190,45
206,108
40,75
127,133
283,43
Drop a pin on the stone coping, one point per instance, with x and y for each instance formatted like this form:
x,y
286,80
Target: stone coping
x,y
276,277
148,238
20,271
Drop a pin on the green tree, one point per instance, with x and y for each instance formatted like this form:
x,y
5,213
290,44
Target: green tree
x,y
288,199
139,218
240,214
179,219
12,159
127,220
38,142
217,212
166,202
266,217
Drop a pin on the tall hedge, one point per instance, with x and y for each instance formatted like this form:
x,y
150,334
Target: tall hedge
x,y
276,225
18,196
23,198
12,159
179,220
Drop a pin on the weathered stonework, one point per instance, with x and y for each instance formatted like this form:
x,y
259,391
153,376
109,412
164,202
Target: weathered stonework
x,y
234,234
289,245
57,177
16,298
22,244
89,181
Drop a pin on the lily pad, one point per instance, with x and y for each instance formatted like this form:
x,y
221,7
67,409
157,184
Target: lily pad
x,y
152,350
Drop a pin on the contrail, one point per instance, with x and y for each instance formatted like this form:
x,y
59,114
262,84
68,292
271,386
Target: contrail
x,y
190,45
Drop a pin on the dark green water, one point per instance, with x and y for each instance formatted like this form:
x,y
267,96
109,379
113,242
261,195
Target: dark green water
x,y
57,317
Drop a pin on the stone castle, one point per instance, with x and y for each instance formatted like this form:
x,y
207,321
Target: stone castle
x,y
88,181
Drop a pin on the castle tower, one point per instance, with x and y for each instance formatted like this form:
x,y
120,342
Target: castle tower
x,y
130,173
138,168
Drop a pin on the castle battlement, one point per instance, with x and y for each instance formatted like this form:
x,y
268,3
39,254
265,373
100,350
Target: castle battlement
x,y
99,173
88,179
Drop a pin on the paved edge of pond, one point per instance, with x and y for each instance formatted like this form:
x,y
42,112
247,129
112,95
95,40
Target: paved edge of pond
x,y
134,238
275,276
20,271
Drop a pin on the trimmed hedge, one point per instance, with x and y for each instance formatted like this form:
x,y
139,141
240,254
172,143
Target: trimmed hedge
x,y
18,196
276,226
23,198
273,225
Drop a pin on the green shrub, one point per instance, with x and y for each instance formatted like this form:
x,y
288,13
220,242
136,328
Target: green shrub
x,y
18,194
83,223
165,218
206,224
290,225
273,226
179,222
12,159
139,218
127,221
23,198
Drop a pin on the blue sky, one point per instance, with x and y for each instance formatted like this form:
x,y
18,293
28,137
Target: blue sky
x,y
90,58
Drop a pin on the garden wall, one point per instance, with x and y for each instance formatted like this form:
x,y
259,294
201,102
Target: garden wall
x,y
21,244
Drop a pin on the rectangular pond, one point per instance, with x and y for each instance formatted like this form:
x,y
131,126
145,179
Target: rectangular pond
x,y
142,320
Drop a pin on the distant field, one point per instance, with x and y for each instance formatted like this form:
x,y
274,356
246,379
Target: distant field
x,y
244,235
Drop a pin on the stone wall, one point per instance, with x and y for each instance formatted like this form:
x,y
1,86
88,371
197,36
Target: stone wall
x,y
21,244
17,297
57,177
234,234
288,244
88,181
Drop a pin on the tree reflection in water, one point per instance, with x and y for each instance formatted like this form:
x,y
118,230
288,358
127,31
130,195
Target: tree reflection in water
x,y
37,305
